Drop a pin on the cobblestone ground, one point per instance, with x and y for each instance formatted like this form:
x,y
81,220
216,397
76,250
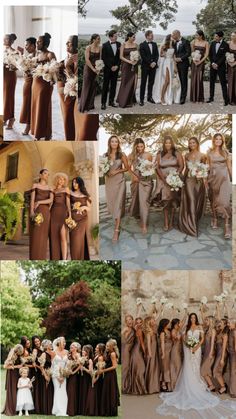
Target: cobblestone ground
x,y
57,124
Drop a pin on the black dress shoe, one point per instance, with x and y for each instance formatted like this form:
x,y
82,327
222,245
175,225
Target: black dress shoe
x,y
182,102
113,104
141,103
151,100
103,107
226,103
210,100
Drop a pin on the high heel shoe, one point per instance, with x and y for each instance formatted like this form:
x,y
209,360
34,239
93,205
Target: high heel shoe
x,y
114,240
222,390
10,123
227,235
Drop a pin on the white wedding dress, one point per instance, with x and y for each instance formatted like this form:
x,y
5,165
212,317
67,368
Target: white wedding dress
x,y
173,91
60,398
191,399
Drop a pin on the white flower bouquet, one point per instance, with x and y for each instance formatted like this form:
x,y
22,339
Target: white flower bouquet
x,y
139,301
204,300
71,85
134,55
104,166
169,306
26,63
48,71
196,55
174,181
163,300
145,167
191,342
153,300
175,82
10,59
99,65
229,57
219,298
198,170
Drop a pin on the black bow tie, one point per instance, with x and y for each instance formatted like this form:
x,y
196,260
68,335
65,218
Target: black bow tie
x,y
217,42
149,42
112,43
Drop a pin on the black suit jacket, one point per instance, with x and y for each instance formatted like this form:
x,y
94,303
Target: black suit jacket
x,y
108,56
184,51
219,57
146,56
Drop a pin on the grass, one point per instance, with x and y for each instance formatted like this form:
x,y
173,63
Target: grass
x,y
3,396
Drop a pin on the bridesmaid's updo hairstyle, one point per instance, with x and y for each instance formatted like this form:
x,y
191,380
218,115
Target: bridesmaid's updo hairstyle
x,y
164,150
189,324
162,325
118,152
129,35
12,37
201,34
174,322
196,141
93,37
31,40
81,184
46,39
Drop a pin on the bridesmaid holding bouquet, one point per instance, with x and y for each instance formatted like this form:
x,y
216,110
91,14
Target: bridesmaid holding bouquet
x,y
200,52
128,336
110,399
9,82
231,64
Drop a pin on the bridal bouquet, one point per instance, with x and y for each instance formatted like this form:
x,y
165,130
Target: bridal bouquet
x,y
26,63
191,342
77,207
174,181
229,57
196,55
42,359
10,59
175,82
82,360
145,167
48,71
99,65
134,56
71,85
70,223
198,170
30,359
104,166
38,219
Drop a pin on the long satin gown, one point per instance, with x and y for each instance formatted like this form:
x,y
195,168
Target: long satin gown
x,y
126,95
207,363
218,368
152,371
127,345
12,377
232,362
86,126
60,399
140,195
115,191
137,369
197,72
176,361
48,390
89,84
25,114
39,234
220,189
59,213
193,199
166,363
162,193
110,397
9,87
232,80
39,386
78,237
72,393
67,104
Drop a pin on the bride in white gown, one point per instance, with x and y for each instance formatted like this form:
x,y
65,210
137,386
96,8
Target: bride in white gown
x,y
191,399
60,359
167,89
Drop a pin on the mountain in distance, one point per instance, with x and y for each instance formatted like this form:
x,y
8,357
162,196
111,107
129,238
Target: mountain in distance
x,y
139,38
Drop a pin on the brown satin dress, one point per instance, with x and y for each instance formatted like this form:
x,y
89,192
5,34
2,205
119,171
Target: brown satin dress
x,y
78,238
217,368
86,126
220,189
39,386
176,361
116,191
41,108
85,381
207,363
89,85
192,204
59,213
152,372
9,87
110,397
162,192
126,95
67,104
232,363
48,390
127,345
12,377
39,234
140,196
197,72
25,113
232,80
166,362
137,369
72,392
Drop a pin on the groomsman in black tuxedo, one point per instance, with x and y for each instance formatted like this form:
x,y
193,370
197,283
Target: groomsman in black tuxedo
x,y
149,58
111,58
217,56
182,53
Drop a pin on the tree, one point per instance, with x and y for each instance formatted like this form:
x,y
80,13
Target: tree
x,y
217,15
19,316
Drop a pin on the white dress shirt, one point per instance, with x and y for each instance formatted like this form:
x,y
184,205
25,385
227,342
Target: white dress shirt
x,y
114,47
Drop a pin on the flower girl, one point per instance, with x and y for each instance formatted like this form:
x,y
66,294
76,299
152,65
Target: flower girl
x,y
24,399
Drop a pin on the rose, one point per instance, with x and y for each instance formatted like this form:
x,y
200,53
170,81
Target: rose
x,y
204,300
138,301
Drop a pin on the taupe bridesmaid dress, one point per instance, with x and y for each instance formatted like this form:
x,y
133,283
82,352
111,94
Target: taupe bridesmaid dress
x,y
220,188
137,369
127,345
115,191
59,213
232,80
78,238
192,204
152,373
207,363
166,362
140,195
39,234
218,369
197,72
162,192
176,361
232,363
89,84
126,95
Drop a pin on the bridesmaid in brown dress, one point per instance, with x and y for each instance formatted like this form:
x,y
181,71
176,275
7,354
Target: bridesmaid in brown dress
x,y
220,189
197,67
9,84
98,384
69,68
86,126
88,93
78,237
41,102
232,71
110,399
193,195
59,212
73,380
152,372
12,365
115,183
166,347
39,379
137,364
166,160
25,114
221,354
208,351
47,385
129,73
128,336
176,356
141,186
27,355
85,379
232,357
41,199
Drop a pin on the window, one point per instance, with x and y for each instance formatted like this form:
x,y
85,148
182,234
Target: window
x,y
12,166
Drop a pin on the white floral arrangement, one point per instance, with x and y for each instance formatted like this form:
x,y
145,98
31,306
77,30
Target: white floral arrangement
x,y
99,65
71,85
163,300
26,63
175,82
10,58
220,298
134,55
48,71
230,57
169,305
104,166
153,300
191,342
198,170
139,301
196,55
174,181
145,167
204,300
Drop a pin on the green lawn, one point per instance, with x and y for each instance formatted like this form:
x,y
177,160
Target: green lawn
x,y
3,374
